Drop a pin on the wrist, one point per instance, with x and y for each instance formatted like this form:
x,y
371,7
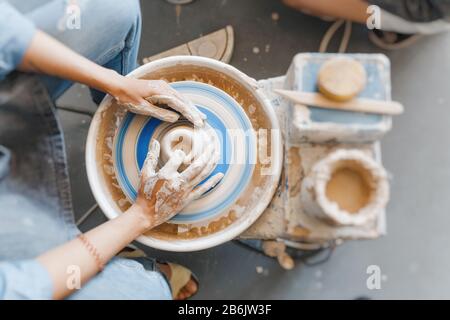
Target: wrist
x,y
142,217
110,81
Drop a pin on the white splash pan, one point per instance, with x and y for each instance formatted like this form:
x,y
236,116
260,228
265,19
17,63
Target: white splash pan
x,y
112,210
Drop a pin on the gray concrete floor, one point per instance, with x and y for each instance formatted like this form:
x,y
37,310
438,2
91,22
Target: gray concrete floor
x,y
413,257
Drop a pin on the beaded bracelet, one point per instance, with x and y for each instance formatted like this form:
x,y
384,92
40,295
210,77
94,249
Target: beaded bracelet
x,y
93,251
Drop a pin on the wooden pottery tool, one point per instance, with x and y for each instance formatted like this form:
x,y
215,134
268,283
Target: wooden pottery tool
x,y
357,104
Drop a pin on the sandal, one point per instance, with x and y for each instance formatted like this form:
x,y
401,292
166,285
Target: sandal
x,y
180,277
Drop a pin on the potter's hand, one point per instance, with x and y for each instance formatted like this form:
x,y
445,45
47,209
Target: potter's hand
x,y
164,193
144,96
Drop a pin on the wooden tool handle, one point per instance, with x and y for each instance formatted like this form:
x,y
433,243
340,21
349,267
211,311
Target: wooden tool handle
x,y
358,105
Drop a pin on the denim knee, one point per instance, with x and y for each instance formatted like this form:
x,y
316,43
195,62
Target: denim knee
x,y
121,23
124,13
107,28
105,25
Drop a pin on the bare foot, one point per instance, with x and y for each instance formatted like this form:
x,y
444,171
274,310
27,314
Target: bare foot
x,y
187,291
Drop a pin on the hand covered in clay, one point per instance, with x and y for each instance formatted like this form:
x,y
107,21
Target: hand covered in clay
x,y
164,193
145,96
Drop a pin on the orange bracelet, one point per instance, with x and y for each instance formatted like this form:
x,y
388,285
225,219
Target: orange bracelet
x,y
93,251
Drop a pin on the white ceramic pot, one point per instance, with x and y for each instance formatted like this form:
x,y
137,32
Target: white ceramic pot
x,y
102,191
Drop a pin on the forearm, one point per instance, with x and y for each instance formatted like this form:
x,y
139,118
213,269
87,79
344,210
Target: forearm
x,y
47,55
353,10
108,239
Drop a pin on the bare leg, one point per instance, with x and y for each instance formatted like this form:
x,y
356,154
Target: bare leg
x,y
354,10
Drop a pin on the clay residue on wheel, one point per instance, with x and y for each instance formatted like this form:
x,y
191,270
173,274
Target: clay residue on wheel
x,y
250,198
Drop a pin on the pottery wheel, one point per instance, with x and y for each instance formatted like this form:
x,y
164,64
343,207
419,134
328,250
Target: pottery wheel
x,y
227,127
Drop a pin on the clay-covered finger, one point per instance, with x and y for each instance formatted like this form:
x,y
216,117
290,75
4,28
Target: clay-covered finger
x,y
200,114
211,183
211,164
148,109
188,110
173,164
198,165
152,159
189,103
163,88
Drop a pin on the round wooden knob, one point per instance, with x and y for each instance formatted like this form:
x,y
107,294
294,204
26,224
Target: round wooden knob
x,y
341,79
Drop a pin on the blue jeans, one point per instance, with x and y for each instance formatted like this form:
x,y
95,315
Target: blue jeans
x,y
35,203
